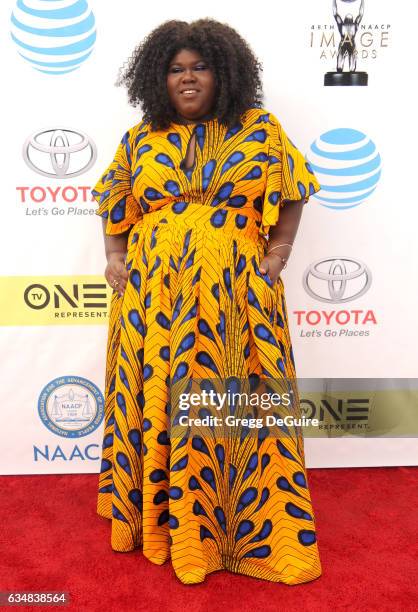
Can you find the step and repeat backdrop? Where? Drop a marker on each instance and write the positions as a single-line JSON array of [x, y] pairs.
[[339, 76]]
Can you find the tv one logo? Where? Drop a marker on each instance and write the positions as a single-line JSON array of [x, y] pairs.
[[342, 412], [76, 296]]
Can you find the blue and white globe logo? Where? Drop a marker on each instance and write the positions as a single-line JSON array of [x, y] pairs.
[[347, 166], [54, 36]]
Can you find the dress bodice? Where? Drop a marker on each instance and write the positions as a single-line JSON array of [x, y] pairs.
[[252, 167]]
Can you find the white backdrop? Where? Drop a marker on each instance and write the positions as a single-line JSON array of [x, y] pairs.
[[55, 345]]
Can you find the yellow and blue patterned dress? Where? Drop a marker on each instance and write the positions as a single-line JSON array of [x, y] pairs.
[[196, 307]]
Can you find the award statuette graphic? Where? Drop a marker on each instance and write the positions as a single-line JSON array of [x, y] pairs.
[[347, 51]]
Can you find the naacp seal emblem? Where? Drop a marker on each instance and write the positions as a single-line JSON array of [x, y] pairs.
[[71, 406]]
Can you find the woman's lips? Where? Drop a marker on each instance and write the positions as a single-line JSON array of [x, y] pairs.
[[189, 93]]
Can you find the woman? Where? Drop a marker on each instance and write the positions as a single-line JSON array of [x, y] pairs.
[[187, 204]]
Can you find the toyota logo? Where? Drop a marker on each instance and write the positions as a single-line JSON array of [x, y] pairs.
[[337, 279], [59, 153]]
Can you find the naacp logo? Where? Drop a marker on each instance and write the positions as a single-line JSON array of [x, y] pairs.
[[54, 37], [336, 280], [71, 406], [59, 153], [347, 165]]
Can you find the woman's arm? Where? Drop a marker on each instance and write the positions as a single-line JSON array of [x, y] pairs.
[[116, 243], [284, 232], [115, 250]]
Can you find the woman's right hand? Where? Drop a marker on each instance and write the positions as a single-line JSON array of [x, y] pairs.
[[116, 273]]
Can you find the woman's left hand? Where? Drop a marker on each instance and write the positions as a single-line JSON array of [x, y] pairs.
[[271, 265]]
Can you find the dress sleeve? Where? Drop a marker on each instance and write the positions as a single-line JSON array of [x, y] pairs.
[[113, 191], [289, 175]]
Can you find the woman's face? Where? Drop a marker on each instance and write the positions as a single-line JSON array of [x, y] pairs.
[[190, 86]]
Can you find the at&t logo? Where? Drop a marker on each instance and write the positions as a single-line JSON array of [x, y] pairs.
[[348, 167], [54, 37]]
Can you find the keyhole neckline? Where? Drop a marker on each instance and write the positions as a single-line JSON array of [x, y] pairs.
[[190, 168]]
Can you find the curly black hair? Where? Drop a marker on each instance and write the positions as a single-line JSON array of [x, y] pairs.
[[236, 70]]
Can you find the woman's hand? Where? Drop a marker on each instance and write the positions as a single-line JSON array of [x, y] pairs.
[[116, 273], [271, 265]]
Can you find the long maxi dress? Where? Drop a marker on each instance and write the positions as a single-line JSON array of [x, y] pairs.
[[197, 306]]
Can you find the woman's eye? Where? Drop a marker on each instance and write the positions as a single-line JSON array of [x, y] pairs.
[[177, 69]]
